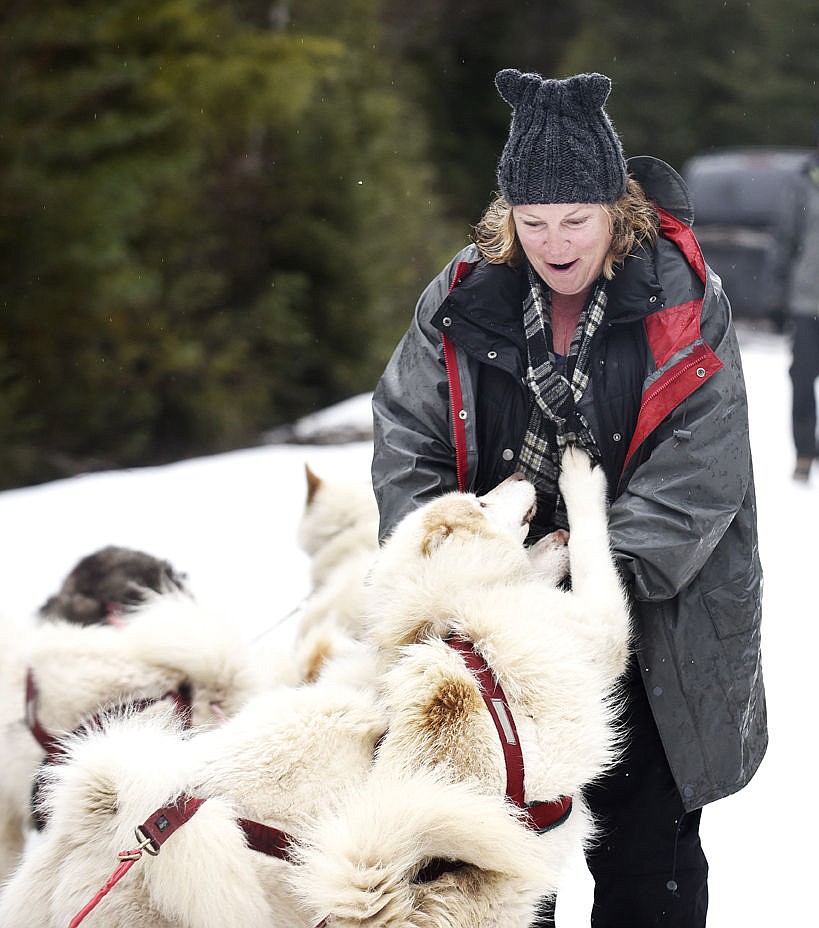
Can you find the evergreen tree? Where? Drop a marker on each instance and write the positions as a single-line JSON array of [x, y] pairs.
[[691, 77], [204, 229], [447, 54]]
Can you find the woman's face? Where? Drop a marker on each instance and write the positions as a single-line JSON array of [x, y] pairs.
[[566, 243]]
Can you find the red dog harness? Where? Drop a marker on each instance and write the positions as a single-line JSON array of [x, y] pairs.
[[50, 742], [539, 816], [163, 823]]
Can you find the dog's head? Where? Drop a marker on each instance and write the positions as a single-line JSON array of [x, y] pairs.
[[333, 508], [110, 580], [504, 512], [455, 542]]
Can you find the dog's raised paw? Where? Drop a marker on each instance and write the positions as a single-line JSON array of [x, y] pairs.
[[580, 475], [574, 456]]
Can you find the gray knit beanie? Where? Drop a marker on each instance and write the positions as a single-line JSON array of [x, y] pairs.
[[562, 148]]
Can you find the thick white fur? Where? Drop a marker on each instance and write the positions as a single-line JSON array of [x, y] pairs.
[[299, 758], [79, 669], [278, 761], [372, 849], [458, 565]]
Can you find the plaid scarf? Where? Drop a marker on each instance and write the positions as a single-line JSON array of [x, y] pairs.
[[554, 419]]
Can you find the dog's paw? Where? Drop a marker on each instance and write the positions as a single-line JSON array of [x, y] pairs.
[[549, 557], [574, 457], [580, 477]]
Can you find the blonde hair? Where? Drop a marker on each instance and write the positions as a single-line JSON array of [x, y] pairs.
[[632, 219]]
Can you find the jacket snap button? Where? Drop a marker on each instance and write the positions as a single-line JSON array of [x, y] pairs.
[[652, 299], [491, 355], [508, 454], [446, 321], [700, 372], [462, 414], [617, 436]]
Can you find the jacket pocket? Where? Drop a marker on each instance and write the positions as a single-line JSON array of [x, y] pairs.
[[734, 606]]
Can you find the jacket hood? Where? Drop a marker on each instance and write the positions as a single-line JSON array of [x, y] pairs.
[[662, 184]]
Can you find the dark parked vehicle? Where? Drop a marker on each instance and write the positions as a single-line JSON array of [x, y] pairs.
[[737, 194]]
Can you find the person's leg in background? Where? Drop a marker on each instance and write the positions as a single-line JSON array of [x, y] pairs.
[[804, 370]]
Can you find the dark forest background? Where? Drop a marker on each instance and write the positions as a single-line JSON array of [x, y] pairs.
[[216, 217]]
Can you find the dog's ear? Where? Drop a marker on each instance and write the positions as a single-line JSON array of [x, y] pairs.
[[313, 483], [434, 535], [452, 516]]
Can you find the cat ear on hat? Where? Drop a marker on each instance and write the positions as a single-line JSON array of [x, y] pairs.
[[511, 84], [591, 89]]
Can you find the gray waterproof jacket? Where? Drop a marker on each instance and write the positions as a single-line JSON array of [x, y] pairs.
[[671, 420]]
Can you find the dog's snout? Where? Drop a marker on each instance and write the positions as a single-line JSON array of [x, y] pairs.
[[516, 477]]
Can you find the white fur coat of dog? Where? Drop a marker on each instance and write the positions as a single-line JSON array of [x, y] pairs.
[[157, 647]]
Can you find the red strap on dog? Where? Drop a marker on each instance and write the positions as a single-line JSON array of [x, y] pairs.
[[539, 816], [163, 823], [157, 828], [265, 839], [50, 742]]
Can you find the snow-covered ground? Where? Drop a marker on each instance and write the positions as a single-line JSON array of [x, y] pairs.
[[229, 522]]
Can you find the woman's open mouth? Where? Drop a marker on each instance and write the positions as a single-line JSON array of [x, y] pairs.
[[563, 267]]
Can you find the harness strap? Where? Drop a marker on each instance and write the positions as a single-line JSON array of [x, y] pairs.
[[157, 828], [266, 840], [539, 816], [50, 742], [166, 821]]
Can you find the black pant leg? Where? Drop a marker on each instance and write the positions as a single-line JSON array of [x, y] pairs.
[[648, 865], [803, 371]]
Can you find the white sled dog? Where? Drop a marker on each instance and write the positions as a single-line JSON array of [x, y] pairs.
[[445, 830], [338, 531], [276, 764], [56, 674]]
